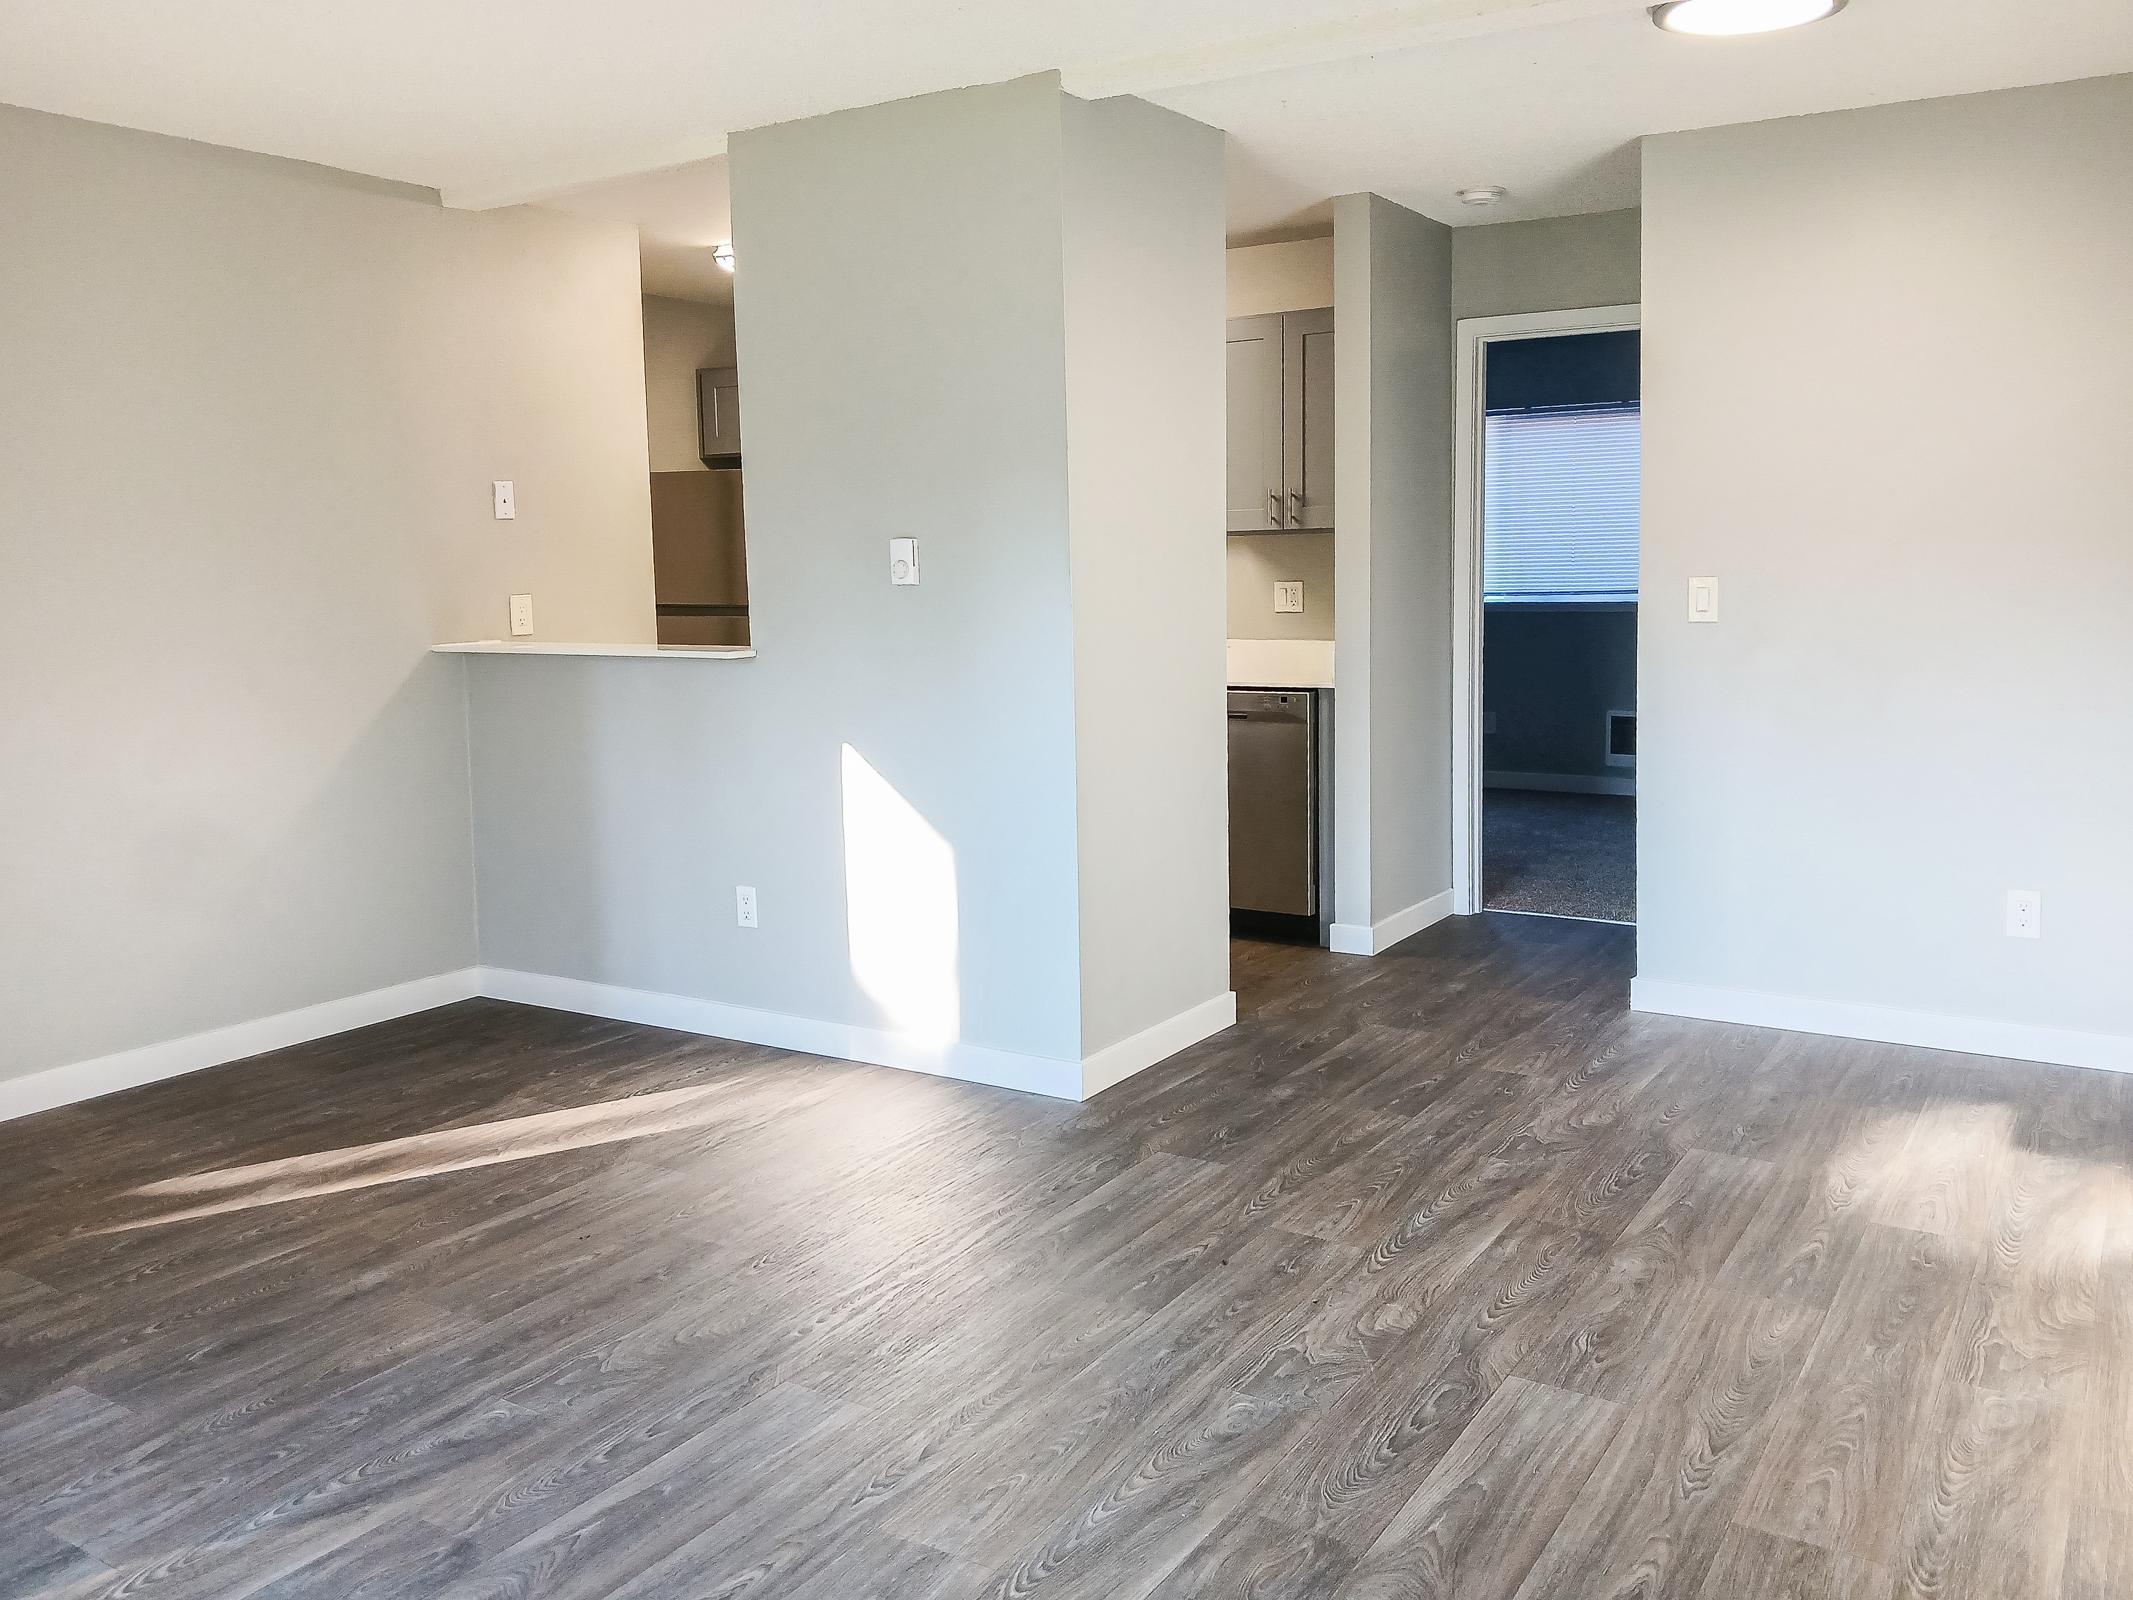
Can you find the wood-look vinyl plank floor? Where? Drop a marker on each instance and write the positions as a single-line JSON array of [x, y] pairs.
[[1442, 1274]]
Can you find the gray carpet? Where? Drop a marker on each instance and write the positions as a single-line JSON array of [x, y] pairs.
[[1568, 855]]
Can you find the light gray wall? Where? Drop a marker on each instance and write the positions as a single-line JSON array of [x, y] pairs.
[[1258, 561], [1145, 437], [1289, 275], [1553, 264], [1888, 372], [922, 391], [1393, 483], [249, 417]]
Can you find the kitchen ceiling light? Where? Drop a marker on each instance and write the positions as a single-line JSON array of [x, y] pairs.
[[723, 255], [1730, 18], [1482, 194]]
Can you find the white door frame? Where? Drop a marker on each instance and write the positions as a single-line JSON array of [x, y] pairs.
[[1476, 334]]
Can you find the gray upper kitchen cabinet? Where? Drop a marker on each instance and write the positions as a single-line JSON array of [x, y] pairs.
[[1255, 452], [1281, 422], [1307, 409], [718, 416]]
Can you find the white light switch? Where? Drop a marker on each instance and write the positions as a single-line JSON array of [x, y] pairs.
[[506, 499], [1703, 599], [2025, 914], [903, 561], [521, 615], [1289, 596]]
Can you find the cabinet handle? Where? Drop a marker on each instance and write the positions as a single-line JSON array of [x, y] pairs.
[[1296, 508], [1273, 505]]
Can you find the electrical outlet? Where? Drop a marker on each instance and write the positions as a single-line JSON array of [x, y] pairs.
[[521, 615], [2025, 914], [1289, 596], [505, 499], [744, 904]]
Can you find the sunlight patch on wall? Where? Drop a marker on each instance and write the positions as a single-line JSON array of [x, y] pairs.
[[900, 906]]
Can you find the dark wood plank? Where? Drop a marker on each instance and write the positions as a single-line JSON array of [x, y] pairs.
[[1441, 1273]]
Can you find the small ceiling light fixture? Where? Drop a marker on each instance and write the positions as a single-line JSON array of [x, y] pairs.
[[1722, 19], [1481, 194], [723, 255]]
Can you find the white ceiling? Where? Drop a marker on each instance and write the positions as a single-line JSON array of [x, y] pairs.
[[493, 101]]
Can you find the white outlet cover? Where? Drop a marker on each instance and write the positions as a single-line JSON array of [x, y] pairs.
[[521, 615], [504, 498], [744, 911], [2025, 914], [1289, 596]]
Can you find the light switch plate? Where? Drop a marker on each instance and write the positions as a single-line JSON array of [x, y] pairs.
[[505, 499], [1703, 599], [521, 615], [903, 561], [1289, 596]]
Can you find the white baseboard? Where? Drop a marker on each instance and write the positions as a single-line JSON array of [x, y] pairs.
[[1118, 1062], [1062, 1080], [1559, 782], [129, 1069], [1934, 1030], [1352, 939], [846, 1041], [969, 1063]]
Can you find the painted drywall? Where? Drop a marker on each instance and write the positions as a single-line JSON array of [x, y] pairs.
[[1293, 275], [896, 772], [1145, 470], [1888, 364], [1258, 561], [680, 337], [1553, 264], [1393, 559], [1550, 677], [250, 415]]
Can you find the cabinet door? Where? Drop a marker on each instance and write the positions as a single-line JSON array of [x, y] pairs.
[[1307, 405], [1255, 489], [718, 413]]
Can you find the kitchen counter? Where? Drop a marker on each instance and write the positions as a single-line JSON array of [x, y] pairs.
[[1281, 663], [543, 647]]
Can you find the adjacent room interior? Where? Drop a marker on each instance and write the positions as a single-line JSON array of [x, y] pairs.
[[1560, 484], [821, 806]]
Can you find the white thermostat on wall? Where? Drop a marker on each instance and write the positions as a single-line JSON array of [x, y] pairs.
[[903, 561]]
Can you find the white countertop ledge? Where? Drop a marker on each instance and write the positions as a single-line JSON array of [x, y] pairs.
[[544, 647], [1281, 663]]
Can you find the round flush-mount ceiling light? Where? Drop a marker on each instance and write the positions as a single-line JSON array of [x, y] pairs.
[[723, 255], [1481, 194], [1725, 19]]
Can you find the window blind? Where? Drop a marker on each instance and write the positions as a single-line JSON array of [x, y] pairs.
[[1559, 504]]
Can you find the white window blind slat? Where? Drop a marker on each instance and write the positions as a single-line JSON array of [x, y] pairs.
[[1559, 504]]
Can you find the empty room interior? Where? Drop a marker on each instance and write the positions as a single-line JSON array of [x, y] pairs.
[[1267, 801]]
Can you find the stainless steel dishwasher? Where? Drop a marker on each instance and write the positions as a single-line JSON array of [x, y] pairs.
[[1273, 812]]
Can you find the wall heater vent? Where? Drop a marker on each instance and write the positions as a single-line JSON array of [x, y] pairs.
[[1621, 738]]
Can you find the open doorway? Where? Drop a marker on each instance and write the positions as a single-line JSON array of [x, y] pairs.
[[1545, 659]]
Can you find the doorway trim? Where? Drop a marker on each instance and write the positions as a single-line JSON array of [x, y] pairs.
[[1476, 334]]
